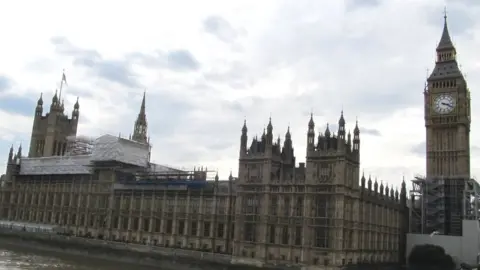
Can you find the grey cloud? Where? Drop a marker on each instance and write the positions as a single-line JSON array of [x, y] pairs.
[[419, 149], [5, 83], [354, 4], [237, 76], [179, 126], [118, 71], [220, 28], [177, 60], [79, 92], [182, 60], [460, 21], [42, 65], [321, 52], [370, 131], [168, 112]]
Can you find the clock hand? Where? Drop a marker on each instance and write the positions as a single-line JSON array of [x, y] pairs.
[[446, 104]]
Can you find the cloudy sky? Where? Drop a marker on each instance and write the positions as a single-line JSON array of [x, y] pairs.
[[209, 64]]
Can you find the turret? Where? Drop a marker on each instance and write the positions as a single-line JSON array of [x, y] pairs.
[[269, 132], [311, 135], [75, 117], [140, 128], [39, 108], [10, 155], [341, 133], [381, 189], [287, 149], [244, 139], [50, 131], [403, 194], [19, 152], [356, 141]]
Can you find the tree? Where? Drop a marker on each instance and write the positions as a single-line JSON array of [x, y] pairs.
[[426, 257]]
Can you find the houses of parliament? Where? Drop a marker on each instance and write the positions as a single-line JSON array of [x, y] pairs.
[[321, 213]]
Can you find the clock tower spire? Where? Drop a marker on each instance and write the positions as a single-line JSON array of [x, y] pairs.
[[447, 114]]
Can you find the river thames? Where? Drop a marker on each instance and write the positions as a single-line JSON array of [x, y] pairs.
[[21, 259]]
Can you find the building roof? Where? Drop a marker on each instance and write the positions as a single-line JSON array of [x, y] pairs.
[[105, 148], [113, 148]]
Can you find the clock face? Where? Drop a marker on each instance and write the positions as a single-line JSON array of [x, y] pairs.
[[444, 103]]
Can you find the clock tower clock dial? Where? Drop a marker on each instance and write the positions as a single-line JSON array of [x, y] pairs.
[[447, 115], [444, 104]]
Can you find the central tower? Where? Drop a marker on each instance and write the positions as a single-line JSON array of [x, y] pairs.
[[447, 115]]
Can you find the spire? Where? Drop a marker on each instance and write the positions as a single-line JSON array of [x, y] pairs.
[[55, 97], [10, 154], [270, 131], [446, 66], [244, 128], [270, 126], [244, 138], [140, 128], [445, 41], [341, 121], [327, 131], [19, 152], [311, 135], [142, 107], [311, 124], [356, 131], [40, 100], [76, 106]]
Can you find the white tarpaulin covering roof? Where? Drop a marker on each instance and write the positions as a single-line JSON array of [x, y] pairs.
[[55, 165], [105, 148], [111, 148]]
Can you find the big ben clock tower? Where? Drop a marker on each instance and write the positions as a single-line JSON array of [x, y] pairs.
[[447, 115]]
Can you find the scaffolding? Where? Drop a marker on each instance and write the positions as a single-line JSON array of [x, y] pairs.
[[440, 204], [85, 152], [79, 145]]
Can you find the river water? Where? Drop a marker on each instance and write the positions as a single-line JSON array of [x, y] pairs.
[[14, 258]]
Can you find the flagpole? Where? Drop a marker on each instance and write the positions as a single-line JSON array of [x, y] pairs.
[[61, 85]]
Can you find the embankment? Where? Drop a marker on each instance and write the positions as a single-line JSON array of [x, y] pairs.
[[167, 258]]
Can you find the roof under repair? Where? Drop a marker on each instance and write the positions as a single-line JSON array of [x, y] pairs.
[[104, 148]]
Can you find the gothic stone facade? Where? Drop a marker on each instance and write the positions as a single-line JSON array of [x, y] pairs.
[[275, 212], [89, 198], [91, 205], [50, 131], [317, 213]]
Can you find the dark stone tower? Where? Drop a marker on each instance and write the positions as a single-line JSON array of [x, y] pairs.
[[50, 131], [447, 114], [140, 128], [447, 122]]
